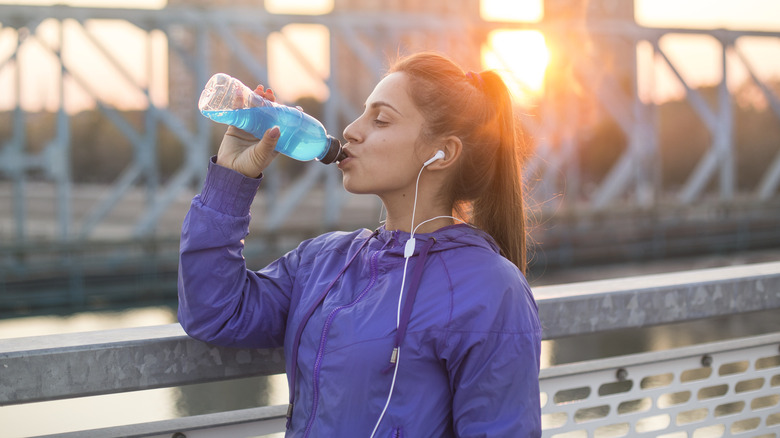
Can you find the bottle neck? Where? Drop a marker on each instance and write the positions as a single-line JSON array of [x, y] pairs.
[[333, 152]]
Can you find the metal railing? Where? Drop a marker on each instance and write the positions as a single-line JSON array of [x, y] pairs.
[[717, 389]]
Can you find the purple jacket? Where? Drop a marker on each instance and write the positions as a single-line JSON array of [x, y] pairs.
[[469, 334]]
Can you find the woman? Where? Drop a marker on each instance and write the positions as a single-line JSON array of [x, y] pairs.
[[425, 327]]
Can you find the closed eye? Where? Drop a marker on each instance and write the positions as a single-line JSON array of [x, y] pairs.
[[380, 123]]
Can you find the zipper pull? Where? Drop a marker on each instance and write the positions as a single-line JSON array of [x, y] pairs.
[[394, 356], [393, 360]]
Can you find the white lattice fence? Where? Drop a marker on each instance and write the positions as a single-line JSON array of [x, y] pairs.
[[723, 389]]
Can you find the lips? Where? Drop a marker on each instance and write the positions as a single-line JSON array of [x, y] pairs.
[[347, 157]]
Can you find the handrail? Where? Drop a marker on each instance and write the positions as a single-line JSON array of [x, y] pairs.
[[625, 375], [648, 300], [55, 367], [84, 364]]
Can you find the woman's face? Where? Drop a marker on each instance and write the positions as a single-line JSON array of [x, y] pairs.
[[381, 143]]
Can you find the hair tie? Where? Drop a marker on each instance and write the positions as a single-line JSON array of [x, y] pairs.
[[475, 79]]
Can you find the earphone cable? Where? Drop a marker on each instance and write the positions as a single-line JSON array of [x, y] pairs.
[[407, 254], [398, 311]]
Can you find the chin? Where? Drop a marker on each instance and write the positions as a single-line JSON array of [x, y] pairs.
[[359, 185], [355, 189], [347, 186]]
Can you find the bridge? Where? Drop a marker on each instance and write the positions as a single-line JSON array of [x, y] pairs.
[[607, 179], [106, 236]]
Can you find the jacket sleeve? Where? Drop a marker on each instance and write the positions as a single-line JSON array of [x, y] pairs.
[[220, 300], [493, 366]]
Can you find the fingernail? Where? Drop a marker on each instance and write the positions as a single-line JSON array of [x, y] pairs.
[[274, 132]]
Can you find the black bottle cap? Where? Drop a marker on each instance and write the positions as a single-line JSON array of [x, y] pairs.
[[334, 153]]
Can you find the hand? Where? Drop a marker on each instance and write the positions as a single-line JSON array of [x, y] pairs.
[[243, 152]]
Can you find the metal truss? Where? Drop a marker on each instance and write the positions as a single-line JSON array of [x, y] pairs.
[[196, 36]]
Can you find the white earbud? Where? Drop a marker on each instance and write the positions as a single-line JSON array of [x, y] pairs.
[[438, 156]]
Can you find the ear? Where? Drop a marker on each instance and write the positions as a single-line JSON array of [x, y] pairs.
[[452, 147]]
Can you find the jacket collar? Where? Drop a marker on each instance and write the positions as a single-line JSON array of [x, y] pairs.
[[449, 237]]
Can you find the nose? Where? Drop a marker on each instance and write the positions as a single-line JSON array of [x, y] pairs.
[[351, 132]]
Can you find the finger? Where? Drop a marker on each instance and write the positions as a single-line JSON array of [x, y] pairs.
[[269, 94], [264, 149], [260, 89], [272, 134]]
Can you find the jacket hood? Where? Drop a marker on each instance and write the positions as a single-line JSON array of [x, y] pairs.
[[449, 237]]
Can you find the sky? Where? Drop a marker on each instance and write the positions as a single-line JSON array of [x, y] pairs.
[[523, 53], [734, 14], [138, 4], [698, 57], [744, 14]]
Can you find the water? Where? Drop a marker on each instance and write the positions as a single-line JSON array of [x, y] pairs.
[[302, 137]]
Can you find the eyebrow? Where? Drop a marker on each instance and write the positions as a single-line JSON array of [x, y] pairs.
[[381, 103]]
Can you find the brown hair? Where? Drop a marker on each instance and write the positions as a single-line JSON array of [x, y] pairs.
[[486, 187]]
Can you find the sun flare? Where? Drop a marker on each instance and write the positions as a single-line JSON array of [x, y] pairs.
[[521, 56]]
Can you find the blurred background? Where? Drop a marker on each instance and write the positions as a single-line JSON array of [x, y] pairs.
[[652, 130]]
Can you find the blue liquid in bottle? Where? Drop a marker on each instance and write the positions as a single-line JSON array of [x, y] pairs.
[[302, 137]]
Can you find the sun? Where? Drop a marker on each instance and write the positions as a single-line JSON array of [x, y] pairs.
[[521, 57]]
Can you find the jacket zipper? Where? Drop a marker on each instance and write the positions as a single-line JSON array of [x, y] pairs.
[[324, 339], [307, 315]]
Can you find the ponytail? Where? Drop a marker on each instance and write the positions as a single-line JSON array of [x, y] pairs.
[[500, 209], [486, 187]]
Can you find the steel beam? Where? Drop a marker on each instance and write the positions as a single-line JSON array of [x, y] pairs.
[[555, 168]]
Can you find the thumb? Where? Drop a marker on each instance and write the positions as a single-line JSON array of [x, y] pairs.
[[270, 137], [263, 152]]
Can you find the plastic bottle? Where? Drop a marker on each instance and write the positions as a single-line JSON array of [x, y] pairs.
[[226, 100]]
